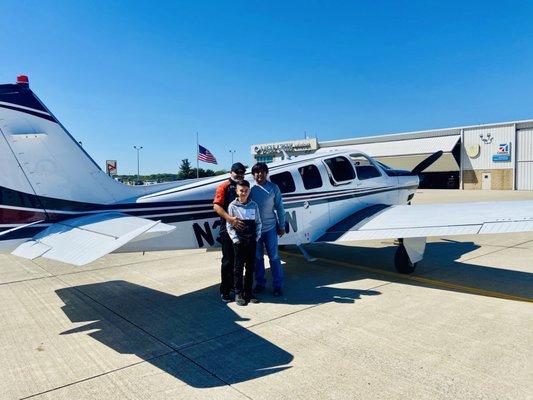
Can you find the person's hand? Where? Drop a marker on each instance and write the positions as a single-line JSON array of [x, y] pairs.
[[281, 232], [236, 223]]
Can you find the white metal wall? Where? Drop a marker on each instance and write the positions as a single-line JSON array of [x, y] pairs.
[[524, 160], [500, 134]]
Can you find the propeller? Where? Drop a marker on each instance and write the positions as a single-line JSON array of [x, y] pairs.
[[426, 163]]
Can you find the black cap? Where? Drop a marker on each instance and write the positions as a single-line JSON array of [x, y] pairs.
[[238, 167]]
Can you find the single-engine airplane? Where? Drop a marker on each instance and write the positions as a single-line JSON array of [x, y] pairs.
[[55, 202]]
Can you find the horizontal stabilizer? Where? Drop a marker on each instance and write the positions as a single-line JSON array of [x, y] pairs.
[[80, 241]]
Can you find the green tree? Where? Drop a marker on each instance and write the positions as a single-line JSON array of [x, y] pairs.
[[186, 172]]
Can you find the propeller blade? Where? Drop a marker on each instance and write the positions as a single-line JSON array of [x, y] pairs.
[[426, 163]]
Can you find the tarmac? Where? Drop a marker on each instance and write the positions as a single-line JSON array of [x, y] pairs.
[[152, 326]]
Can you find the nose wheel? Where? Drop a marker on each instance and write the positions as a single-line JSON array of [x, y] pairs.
[[402, 262]]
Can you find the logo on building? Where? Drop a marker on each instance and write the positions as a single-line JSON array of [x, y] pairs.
[[503, 153], [292, 146]]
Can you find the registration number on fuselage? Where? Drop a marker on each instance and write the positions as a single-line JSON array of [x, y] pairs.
[[207, 232]]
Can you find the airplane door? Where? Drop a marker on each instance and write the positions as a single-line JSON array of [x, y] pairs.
[[314, 212]]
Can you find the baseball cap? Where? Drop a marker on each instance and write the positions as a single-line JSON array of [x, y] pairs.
[[238, 167]]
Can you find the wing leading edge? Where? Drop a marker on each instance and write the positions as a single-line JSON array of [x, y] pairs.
[[423, 220], [81, 240]]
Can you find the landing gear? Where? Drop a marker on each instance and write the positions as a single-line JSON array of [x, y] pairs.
[[401, 260], [409, 252]]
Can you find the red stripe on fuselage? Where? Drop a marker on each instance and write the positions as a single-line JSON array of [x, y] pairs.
[[12, 217]]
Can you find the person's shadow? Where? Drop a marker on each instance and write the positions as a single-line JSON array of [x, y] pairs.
[[133, 319]]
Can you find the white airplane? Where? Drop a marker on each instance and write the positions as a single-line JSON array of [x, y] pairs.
[[55, 202]]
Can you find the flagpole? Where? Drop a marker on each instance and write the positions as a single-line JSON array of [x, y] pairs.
[[197, 159]]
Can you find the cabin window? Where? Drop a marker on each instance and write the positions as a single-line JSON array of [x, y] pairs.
[[341, 169], [284, 181], [364, 168], [310, 176]]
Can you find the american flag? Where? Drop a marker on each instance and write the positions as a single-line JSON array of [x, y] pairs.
[[205, 155]]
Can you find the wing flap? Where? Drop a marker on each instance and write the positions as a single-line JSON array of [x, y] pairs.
[[80, 241]]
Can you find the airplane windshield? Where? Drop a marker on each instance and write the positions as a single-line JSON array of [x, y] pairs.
[[364, 168], [384, 166]]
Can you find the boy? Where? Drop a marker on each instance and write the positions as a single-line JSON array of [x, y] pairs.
[[244, 242]]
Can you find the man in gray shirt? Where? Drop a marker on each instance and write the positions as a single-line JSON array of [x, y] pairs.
[[268, 198]]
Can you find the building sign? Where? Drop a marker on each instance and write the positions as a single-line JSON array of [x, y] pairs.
[[111, 167], [503, 153], [303, 145]]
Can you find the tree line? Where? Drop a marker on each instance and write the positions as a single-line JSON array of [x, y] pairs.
[[186, 171]]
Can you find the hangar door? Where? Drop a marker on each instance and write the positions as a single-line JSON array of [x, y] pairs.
[[524, 160]]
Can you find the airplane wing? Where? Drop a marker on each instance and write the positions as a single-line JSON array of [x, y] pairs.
[[423, 220], [81, 240]]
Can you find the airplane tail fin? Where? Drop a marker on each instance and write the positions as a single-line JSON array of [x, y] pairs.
[[42, 166]]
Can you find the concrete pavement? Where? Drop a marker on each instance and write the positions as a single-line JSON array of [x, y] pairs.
[[152, 327]]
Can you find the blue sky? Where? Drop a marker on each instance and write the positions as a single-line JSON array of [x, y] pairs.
[[119, 74]]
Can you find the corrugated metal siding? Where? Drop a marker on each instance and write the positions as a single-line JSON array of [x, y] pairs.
[[528, 123], [525, 145], [444, 164], [406, 147], [500, 134], [524, 167], [391, 137], [524, 175]]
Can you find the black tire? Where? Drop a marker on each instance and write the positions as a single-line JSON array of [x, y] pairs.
[[401, 261]]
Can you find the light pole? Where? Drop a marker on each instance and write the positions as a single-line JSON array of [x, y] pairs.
[[232, 153], [138, 148]]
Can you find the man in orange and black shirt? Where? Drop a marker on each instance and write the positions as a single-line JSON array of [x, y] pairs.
[[225, 194]]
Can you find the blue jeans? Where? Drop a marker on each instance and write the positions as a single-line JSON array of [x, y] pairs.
[[268, 240]]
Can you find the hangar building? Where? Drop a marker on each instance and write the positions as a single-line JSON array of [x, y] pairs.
[[492, 156]]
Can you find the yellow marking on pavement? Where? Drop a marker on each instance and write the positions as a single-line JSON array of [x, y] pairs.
[[421, 279]]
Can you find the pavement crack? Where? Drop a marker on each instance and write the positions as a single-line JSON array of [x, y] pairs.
[[96, 376], [173, 349], [496, 251]]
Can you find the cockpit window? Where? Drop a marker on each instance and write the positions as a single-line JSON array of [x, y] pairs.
[[364, 168], [310, 176], [340, 168], [384, 166], [284, 181]]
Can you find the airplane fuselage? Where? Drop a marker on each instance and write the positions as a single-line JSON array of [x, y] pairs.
[[189, 207]]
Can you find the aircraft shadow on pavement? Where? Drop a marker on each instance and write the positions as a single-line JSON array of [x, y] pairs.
[[439, 263], [133, 319]]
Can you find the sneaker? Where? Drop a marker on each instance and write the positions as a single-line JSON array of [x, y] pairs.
[[278, 292], [258, 289], [239, 300], [226, 298], [253, 299]]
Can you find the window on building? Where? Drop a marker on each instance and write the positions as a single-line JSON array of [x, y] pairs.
[[310, 176], [341, 169], [364, 168], [284, 181], [265, 159]]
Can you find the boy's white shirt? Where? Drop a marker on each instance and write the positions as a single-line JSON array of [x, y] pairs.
[[245, 213]]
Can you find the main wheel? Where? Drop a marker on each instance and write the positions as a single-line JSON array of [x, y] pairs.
[[402, 262]]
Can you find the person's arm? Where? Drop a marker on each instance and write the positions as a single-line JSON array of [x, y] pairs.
[[280, 211], [231, 230], [258, 223], [218, 204]]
